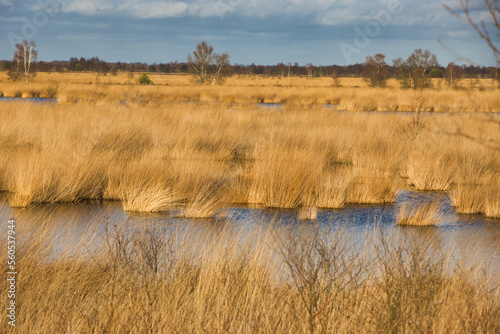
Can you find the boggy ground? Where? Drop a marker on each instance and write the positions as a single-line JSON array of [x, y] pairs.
[[351, 94], [152, 153], [279, 280], [202, 157]]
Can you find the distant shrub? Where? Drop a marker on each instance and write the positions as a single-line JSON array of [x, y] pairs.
[[145, 79]]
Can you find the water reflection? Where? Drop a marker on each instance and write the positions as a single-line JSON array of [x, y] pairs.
[[73, 227]]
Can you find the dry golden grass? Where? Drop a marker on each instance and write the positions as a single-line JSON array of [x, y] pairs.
[[467, 198], [154, 280], [207, 200], [152, 154], [278, 159], [419, 214], [475, 183], [332, 190], [370, 191], [428, 171], [352, 95], [147, 198]]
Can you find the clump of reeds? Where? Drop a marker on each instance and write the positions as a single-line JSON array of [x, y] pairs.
[[492, 206], [371, 191], [208, 198], [332, 191], [147, 198], [428, 171], [491, 195], [285, 179], [468, 198], [32, 180], [419, 214]]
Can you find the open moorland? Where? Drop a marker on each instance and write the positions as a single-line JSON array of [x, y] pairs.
[[349, 94], [290, 143], [181, 144]]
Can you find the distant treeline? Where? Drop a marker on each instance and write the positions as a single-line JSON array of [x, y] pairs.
[[97, 65]]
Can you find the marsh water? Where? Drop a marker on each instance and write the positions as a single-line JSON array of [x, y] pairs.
[[28, 99], [263, 105], [81, 224]]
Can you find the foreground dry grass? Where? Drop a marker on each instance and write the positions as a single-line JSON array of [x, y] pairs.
[[204, 157], [154, 280], [353, 94]]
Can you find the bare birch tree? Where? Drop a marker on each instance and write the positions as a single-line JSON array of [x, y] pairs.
[[30, 54], [201, 60], [221, 65], [453, 74], [206, 65], [310, 69], [25, 55]]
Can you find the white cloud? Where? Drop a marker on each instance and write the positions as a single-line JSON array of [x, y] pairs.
[[138, 8], [5, 3], [202, 8], [153, 9], [88, 7], [322, 12]]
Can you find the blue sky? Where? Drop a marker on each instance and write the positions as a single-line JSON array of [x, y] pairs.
[[322, 32]]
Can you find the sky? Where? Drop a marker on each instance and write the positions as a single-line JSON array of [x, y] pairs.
[[266, 32]]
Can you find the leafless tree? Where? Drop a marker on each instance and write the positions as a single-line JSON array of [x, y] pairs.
[[15, 68], [493, 7], [413, 72], [420, 63], [453, 74], [201, 60], [402, 72], [206, 65], [221, 65], [335, 77], [375, 71], [29, 54], [310, 69], [25, 55]]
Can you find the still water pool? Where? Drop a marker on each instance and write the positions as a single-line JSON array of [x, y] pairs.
[[77, 225]]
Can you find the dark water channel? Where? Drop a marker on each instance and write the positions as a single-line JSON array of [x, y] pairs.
[[263, 105], [28, 99], [76, 225]]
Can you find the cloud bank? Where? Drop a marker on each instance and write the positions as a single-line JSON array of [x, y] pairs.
[[325, 12], [5, 3]]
